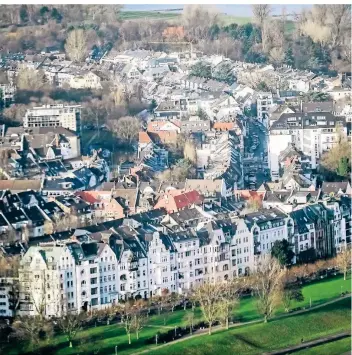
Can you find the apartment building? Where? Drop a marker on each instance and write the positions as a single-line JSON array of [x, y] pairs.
[[162, 257], [312, 133], [265, 227], [7, 91], [47, 278], [219, 157], [6, 299], [134, 259], [67, 116], [264, 104]]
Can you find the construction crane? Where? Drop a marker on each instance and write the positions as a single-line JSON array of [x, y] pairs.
[[174, 42]]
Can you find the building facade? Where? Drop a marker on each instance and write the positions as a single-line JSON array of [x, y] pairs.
[[54, 116]]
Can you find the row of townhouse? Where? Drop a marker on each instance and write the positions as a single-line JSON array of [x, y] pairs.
[[144, 254], [28, 215]]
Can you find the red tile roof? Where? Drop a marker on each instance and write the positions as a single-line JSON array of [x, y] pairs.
[[224, 126], [143, 137], [188, 198]]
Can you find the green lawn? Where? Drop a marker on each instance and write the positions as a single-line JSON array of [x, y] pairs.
[[107, 337], [319, 292], [338, 347], [164, 15], [259, 338], [226, 19]]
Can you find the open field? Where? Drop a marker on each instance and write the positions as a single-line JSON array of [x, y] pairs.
[[176, 16], [158, 15], [261, 338], [106, 338]]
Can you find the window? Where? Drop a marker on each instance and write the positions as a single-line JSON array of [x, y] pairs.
[[93, 270]]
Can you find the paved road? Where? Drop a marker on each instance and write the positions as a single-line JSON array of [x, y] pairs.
[[310, 344], [256, 128]]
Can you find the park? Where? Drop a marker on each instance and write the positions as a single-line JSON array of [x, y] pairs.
[[324, 310]]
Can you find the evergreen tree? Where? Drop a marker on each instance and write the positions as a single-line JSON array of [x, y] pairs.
[[214, 31], [282, 252], [55, 14], [153, 106], [201, 69], [289, 59], [342, 168], [23, 13]]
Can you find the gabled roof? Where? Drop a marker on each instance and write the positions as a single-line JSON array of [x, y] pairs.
[[334, 187], [143, 137], [187, 199]]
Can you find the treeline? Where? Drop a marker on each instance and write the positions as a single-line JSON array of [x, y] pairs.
[[318, 39]]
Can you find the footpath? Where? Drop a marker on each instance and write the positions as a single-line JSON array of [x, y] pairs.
[[310, 344]]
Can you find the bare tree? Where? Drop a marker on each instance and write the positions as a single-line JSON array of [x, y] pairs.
[[277, 55], [289, 294], [273, 34], [261, 15], [139, 319], [189, 152], [70, 325], [9, 266], [227, 302], [76, 45], [119, 96], [31, 79], [32, 329], [174, 300], [343, 260], [208, 295], [318, 33], [189, 318], [197, 20], [267, 284], [339, 19], [128, 320], [126, 128]]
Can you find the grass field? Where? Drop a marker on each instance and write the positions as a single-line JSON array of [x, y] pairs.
[[338, 347], [175, 16], [159, 15], [259, 338], [106, 338]]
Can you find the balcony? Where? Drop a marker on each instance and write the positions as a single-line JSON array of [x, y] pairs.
[[133, 267]]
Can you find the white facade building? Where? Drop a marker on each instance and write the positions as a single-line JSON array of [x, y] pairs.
[[264, 104], [312, 133], [47, 279], [6, 301], [54, 116]]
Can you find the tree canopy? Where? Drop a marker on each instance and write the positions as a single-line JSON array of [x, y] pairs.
[[282, 251]]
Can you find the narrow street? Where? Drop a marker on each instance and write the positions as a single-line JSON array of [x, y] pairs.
[[255, 166]]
